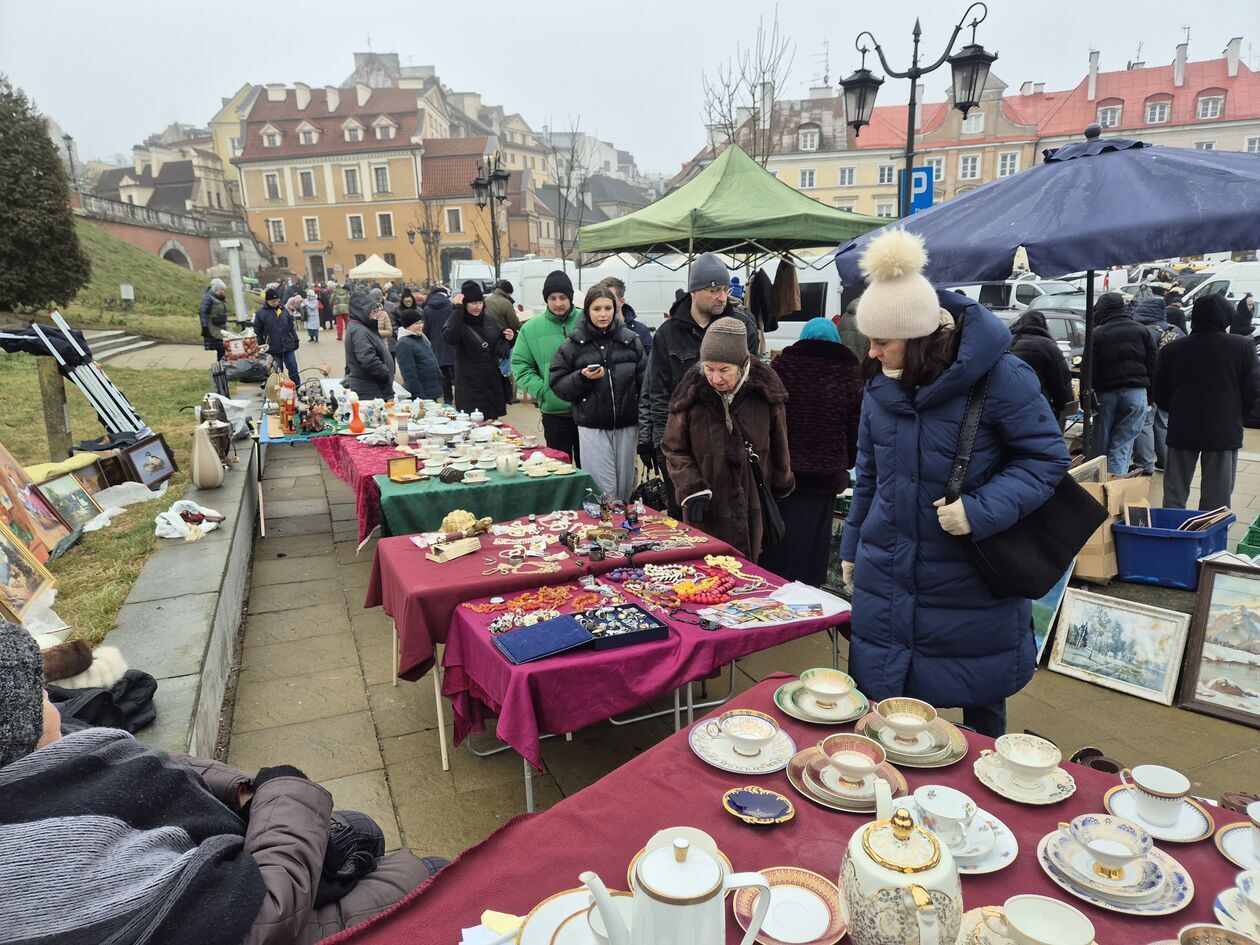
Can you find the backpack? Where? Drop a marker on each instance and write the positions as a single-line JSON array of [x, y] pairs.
[[1165, 333]]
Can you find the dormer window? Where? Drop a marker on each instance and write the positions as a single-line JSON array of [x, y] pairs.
[[353, 131], [1210, 106], [271, 139], [1109, 116], [384, 128], [807, 138], [1156, 112], [307, 134]]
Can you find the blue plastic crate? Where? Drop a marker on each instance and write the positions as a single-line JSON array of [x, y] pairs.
[[1164, 556]]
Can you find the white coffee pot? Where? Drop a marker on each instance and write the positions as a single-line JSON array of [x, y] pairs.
[[679, 898]]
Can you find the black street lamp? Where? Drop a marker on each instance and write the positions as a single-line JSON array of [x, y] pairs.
[[490, 187], [970, 68], [74, 177], [430, 236]]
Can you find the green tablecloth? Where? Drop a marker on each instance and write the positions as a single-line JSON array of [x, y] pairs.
[[410, 507]]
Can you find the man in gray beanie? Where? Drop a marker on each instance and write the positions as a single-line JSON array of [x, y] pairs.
[[676, 347], [26, 717], [213, 315]]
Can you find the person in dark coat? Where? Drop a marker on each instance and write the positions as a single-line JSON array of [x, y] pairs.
[[1241, 323], [369, 365], [275, 328], [416, 361], [502, 307], [599, 370], [1032, 344], [480, 343], [1207, 382], [676, 347], [1149, 448], [213, 316], [726, 399], [627, 313], [1174, 311], [925, 623], [437, 309], [823, 380], [1123, 366], [850, 335]]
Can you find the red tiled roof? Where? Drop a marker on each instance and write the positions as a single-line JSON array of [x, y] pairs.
[[888, 125], [448, 176], [450, 147], [399, 105]]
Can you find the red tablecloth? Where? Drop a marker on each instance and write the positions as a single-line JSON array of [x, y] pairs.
[[601, 827], [421, 596], [569, 691], [355, 464]]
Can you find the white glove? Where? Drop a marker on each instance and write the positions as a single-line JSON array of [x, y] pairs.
[[953, 517], [846, 571]]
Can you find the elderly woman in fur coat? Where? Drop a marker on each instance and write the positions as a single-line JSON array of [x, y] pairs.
[[721, 402]]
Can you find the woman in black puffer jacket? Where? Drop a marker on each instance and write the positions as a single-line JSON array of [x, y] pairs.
[[599, 370]]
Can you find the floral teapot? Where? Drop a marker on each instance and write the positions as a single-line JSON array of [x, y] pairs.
[[899, 885]]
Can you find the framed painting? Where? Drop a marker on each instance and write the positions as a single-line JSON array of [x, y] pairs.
[[1094, 470], [151, 461], [1045, 610], [1222, 666], [22, 578], [92, 478], [25, 512], [1120, 644], [65, 494]]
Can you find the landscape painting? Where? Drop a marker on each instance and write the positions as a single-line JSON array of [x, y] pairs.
[[1120, 644], [1222, 671], [1046, 609]]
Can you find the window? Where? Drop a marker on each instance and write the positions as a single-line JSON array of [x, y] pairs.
[[390, 258], [352, 180], [885, 208], [271, 140], [1025, 294], [275, 230], [845, 176], [1211, 106], [272, 183], [1253, 146], [807, 139], [1109, 116], [938, 170], [1008, 163], [359, 259], [308, 137], [384, 133], [354, 225], [453, 222], [844, 203], [380, 179], [807, 178], [354, 134], [973, 124], [531, 164], [885, 174], [1156, 112], [306, 183], [385, 225], [969, 167], [312, 229], [1205, 145], [235, 145]]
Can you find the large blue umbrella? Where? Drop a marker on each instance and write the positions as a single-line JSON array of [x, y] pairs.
[[1090, 205]]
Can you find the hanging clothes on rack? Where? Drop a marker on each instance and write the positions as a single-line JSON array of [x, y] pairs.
[[787, 291], [759, 297]]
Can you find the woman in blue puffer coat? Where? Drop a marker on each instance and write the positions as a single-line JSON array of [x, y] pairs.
[[925, 624]]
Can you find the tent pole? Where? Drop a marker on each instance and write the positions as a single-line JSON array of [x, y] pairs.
[[1087, 367]]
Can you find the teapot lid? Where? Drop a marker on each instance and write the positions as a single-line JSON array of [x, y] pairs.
[[679, 874], [901, 846]]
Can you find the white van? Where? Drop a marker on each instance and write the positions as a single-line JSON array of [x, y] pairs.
[[1232, 280], [527, 276]]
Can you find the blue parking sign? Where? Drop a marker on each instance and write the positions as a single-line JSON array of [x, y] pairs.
[[921, 188]]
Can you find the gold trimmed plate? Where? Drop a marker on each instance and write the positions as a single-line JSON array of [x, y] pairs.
[[1193, 824], [1234, 842], [576, 929], [804, 908], [544, 920], [799, 779], [741, 808], [1056, 787], [792, 699], [942, 730], [818, 773]]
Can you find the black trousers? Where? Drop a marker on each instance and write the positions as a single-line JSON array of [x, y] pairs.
[[561, 433], [448, 383], [987, 719]]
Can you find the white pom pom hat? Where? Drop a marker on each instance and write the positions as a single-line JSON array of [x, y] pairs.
[[898, 302]]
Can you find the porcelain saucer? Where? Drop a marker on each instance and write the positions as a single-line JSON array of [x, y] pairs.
[[804, 908], [1140, 880], [826, 781], [1176, 895], [1234, 842], [971, 919], [720, 753], [798, 778], [576, 929], [1059, 786], [1001, 855], [933, 740], [792, 698], [754, 805], [943, 731], [545, 919], [1232, 913], [1193, 824]]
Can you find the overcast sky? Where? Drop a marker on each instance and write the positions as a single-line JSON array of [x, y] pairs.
[[112, 74]]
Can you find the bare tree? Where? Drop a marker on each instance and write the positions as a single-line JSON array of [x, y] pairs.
[[570, 158], [739, 94]]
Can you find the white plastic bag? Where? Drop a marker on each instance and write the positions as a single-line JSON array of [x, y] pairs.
[[170, 525]]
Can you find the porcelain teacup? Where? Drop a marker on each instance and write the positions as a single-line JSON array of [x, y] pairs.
[[1158, 792], [748, 731], [1248, 883], [1253, 814], [1040, 920], [1028, 759], [1112, 842], [946, 812], [826, 686], [907, 717], [855, 756]]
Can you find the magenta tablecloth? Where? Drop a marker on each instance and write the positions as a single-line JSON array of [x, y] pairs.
[[355, 464], [569, 691], [601, 828]]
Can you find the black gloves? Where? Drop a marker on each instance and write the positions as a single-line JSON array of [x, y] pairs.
[[648, 455], [697, 509], [205, 332], [279, 771]]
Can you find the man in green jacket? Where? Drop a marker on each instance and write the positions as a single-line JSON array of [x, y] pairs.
[[536, 345], [341, 308]]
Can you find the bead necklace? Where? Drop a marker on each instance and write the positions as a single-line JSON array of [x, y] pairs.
[[520, 567], [559, 521]]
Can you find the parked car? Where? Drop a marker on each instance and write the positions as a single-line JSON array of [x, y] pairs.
[[1013, 294], [1066, 325], [1232, 280]]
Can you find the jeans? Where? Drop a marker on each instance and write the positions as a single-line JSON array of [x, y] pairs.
[[1148, 449], [987, 719], [1121, 416], [312, 334], [289, 361]]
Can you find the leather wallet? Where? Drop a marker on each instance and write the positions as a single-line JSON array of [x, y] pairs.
[[526, 644]]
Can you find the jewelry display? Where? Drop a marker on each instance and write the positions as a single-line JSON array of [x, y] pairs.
[[606, 622], [523, 567], [544, 597]]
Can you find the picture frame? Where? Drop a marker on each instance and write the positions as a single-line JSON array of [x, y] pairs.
[[1221, 670], [403, 469], [1120, 644], [150, 461], [74, 505], [22, 577], [1045, 612], [115, 469], [1138, 514], [92, 478], [25, 512], [1093, 470]]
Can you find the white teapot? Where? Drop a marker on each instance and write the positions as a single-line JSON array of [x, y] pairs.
[[900, 885], [507, 465], [679, 898]]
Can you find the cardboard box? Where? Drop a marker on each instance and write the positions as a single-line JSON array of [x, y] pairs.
[[1097, 562]]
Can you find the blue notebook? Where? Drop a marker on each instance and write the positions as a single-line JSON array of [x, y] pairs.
[[526, 644]]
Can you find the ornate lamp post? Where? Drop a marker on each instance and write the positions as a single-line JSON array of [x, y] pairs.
[[430, 237], [970, 67], [74, 177], [490, 187]]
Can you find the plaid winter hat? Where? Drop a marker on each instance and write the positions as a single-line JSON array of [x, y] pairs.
[[21, 693]]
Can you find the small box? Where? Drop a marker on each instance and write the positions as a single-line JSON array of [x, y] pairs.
[[403, 469], [1097, 561], [656, 630]]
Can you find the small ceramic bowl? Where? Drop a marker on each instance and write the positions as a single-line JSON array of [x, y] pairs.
[[906, 717], [826, 686], [754, 805], [1113, 842], [855, 756]]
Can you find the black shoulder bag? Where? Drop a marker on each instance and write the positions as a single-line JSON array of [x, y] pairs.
[[1030, 557], [773, 530]]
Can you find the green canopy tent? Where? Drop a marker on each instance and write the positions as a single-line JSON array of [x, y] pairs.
[[734, 206]]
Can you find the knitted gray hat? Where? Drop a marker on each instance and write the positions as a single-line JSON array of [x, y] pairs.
[[706, 271], [21, 693], [726, 340]]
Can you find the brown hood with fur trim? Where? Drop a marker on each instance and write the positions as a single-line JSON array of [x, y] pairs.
[[706, 460]]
